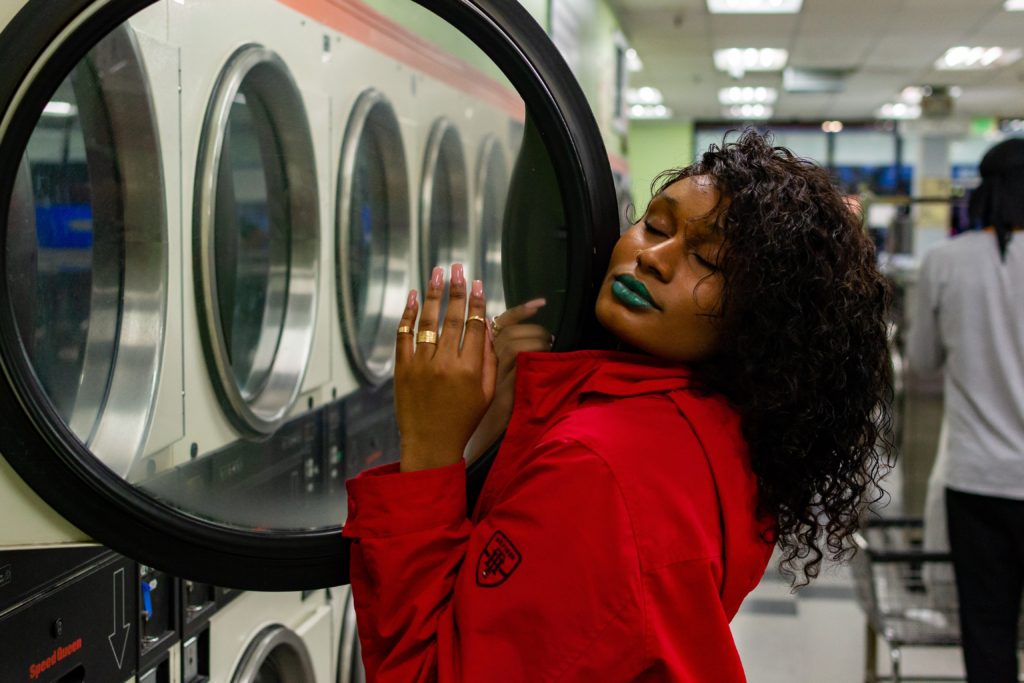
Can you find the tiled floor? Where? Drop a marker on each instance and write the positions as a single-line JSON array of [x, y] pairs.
[[817, 635]]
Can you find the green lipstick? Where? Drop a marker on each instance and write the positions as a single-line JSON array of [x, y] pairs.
[[631, 292]]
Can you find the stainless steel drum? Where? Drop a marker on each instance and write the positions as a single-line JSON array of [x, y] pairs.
[[374, 237], [86, 263], [257, 239]]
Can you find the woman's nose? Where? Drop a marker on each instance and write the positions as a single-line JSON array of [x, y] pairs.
[[657, 260]]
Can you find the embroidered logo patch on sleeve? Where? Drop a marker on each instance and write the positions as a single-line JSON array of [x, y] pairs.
[[497, 561]]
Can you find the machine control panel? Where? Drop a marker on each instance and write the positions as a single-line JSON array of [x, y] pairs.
[[80, 627]]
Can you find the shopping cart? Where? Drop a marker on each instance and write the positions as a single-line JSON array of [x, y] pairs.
[[908, 595]]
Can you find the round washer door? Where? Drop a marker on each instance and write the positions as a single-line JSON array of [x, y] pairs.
[[208, 229], [256, 239], [85, 256], [444, 199], [374, 235], [275, 655], [489, 214]]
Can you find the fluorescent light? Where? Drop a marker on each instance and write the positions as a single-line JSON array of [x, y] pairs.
[[737, 61], [1014, 5], [754, 6], [963, 58], [644, 95], [803, 80], [912, 94], [58, 108], [649, 111], [899, 110], [748, 111], [633, 62], [747, 95]]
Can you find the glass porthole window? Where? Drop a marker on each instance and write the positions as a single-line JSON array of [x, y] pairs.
[[489, 208], [256, 239], [85, 258], [173, 384], [374, 234], [444, 200], [276, 655]]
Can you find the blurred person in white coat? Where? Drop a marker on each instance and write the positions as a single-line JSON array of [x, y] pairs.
[[969, 321]]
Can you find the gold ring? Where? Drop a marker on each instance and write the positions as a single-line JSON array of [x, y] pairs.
[[495, 327], [477, 318], [427, 337], [404, 329]]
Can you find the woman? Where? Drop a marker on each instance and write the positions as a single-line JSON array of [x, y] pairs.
[[638, 493], [968, 322]]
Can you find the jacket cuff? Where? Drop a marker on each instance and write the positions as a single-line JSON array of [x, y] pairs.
[[384, 502]]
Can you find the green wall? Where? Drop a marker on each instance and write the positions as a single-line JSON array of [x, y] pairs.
[[653, 147], [539, 10]]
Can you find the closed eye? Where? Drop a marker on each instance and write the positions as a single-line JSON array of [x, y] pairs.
[[705, 263], [653, 230]]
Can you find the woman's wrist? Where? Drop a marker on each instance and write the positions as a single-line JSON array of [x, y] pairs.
[[416, 456]]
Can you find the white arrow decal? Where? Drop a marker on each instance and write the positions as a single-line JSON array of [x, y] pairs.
[[121, 625]]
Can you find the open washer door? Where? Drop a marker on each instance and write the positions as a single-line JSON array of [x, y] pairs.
[[114, 266]]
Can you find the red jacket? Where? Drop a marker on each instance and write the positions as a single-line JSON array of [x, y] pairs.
[[613, 541]]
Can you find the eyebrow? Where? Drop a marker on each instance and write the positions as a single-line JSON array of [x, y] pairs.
[[714, 227]]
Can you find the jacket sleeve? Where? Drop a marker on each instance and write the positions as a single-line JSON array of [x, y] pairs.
[[925, 353], [546, 586]]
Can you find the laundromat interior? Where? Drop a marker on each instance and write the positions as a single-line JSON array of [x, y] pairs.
[[212, 212]]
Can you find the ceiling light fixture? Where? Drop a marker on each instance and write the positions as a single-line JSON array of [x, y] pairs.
[[754, 6], [747, 95], [644, 95], [1014, 5], [649, 111], [58, 108], [963, 58], [737, 61], [748, 111], [832, 126], [899, 110], [633, 61], [912, 94]]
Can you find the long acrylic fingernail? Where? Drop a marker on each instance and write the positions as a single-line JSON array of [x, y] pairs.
[[437, 277], [478, 290], [411, 301], [458, 274], [535, 303]]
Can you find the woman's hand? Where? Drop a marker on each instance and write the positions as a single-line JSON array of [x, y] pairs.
[[442, 387], [512, 338]]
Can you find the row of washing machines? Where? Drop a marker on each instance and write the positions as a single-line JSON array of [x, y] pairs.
[[86, 614], [214, 225]]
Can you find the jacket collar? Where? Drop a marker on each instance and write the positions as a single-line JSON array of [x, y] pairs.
[[546, 382]]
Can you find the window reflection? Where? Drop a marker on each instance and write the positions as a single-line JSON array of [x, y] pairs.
[[492, 192], [445, 207], [251, 242], [368, 235], [68, 164]]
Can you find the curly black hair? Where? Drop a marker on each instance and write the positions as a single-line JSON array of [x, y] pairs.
[[803, 352]]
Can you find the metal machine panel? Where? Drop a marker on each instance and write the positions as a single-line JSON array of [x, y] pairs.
[[80, 627]]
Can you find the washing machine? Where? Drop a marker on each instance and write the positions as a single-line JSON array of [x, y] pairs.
[[211, 212]]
